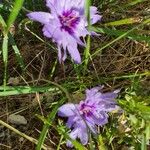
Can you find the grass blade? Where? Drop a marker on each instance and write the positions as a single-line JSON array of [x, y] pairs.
[[17, 52], [14, 13], [134, 2], [143, 143], [117, 33], [25, 90], [51, 116], [46, 126], [76, 144], [5, 58], [124, 21], [120, 37], [2, 24]]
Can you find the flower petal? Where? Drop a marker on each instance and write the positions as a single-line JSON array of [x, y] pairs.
[[52, 30], [71, 121], [100, 118], [67, 110], [41, 17], [73, 51], [110, 96], [73, 135], [83, 135], [59, 54], [94, 16]]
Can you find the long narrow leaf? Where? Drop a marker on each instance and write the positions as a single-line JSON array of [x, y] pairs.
[[5, 57], [117, 33], [124, 21], [2, 24], [134, 2], [25, 90], [46, 126], [51, 116], [17, 52], [76, 144], [14, 13], [120, 37]]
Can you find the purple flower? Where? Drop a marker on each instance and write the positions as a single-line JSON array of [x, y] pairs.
[[66, 24], [88, 114]]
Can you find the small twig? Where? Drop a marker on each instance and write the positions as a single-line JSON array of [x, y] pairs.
[[31, 139], [5, 145]]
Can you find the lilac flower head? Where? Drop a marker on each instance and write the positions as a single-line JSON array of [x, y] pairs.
[[66, 24], [88, 114]]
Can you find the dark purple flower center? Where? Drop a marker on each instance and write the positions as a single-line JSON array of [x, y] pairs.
[[86, 110], [69, 20]]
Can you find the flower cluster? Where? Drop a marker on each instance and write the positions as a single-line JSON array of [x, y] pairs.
[[88, 114], [66, 25]]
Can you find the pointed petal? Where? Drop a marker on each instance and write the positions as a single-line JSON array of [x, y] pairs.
[[93, 95], [73, 135], [73, 51], [65, 55], [95, 17], [83, 135], [41, 17], [83, 132], [90, 124], [59, 54], [100, 118], [110, 96], [78, 40], [67, 110]]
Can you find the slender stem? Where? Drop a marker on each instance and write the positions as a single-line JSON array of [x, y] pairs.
[[88, 45]]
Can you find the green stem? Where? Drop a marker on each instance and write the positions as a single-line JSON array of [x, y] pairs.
[[88, 45]]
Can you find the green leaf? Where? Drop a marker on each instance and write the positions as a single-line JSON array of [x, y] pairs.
[[46, 126], [5, 57], [143, 143], [76, 144], [147, 132], [17, 52], [143, 108], [101, 144], [14, 13], [134, 2], [118, 33], [16, 90], [2, 24], [124, 21]]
